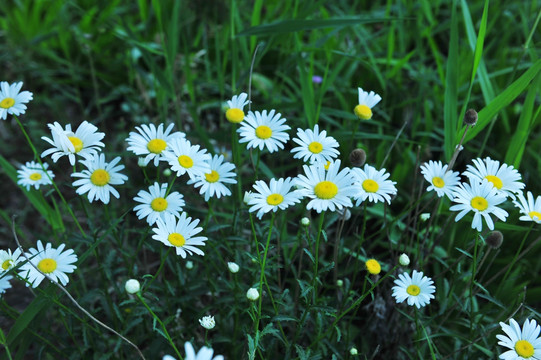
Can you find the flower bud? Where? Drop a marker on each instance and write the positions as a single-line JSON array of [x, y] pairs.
[[189, 265], [353, 351], [207, 322], [233, 267], [132, 286], [404, 260], [141, 162], [305, 221], [424, 216], [252, 294], [339, 283], [373, 266], [166, 172], [247, 197]]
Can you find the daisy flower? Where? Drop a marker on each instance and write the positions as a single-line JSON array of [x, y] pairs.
[[98, 178], [373, 185], [276, 195], [481, 198], [417, 289], [9, 260], [235, 113], [505, 178], [84, 141], [204, 353], [4, 283], [442, 181], [315, 146], [328, 189], [183, 157], [531, 208], [151, 142], [11, 100], [180, 234], [32, 174], [261, 130], [524, 343], [366, 102], [213, 182], [155, 204], [52, 262]]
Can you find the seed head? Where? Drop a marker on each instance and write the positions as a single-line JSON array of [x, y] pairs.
[[470, 118], [494, 239], [357, 157]]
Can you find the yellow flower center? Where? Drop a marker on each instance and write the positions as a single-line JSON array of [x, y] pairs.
[[275, 199], [370, 186], [438, 182], [263, 132], [326, 190], [35, 176], [185, 161], [373, 266], [76, 142], [7, 103], [47, 266], [158, 204], [479, 203], [156, 146], [534, 214], [524, 348], [212, 177], [413, 290], [234, 115], [176, 239], [495, 181], [7, 264], [363, 112], [99, 177], [327, 164], [315, 147]]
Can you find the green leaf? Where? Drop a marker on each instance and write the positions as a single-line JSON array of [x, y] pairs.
[[23, 321], [450, 115]]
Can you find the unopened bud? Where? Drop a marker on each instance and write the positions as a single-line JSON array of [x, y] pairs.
[[353, 351], [252, 294], [132, 286], [357, 157], [470, 118], [233, 267], [404, 260], [167, 172], [494, 239]]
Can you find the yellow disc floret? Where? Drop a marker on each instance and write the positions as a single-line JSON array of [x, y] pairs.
[[495, 181], [99, 177], [524, 348], [326, 190], [6, 103], [363, 112], [275, 199], [212, 177], [76, 142], [263, 132], [535, 214], [479, 203], [47, 265], [370, 186], [413, 290], [185, 161], [315, 147], [234, 115], [35, 176], [7, 264], [373, 266], [158, 204], [156, 146], [438, 182], [176, 239]]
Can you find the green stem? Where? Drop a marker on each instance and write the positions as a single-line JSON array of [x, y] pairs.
[[316, 263], [160, 268], [263, 264], [517, 253]]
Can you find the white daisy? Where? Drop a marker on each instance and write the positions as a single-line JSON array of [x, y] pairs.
[[264, 130], [183, 157], [505, 178], [366, 102], [276, 195], [328, 189], [315, 146], [9, 260], [417, 289], [481, 198], [442, 181], [11, 100], [213, 182], [155, 204], [525, 343], [373, 185], [151, 142], [32, 174], [84, 141], [531, 208], [235, 113], [180, 234], [4, 282], [98, 178], [204, 353], [53, 262]]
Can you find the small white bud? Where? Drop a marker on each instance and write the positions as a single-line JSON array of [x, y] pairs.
[[353, 351], [132, 286], [252, 294], [207, 322], [424, 216], [168, 357], [404, 260], [189, 265], [233, 267], [141, 162], [166, 172], [305, 221], [339, 283], [247, 197]]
